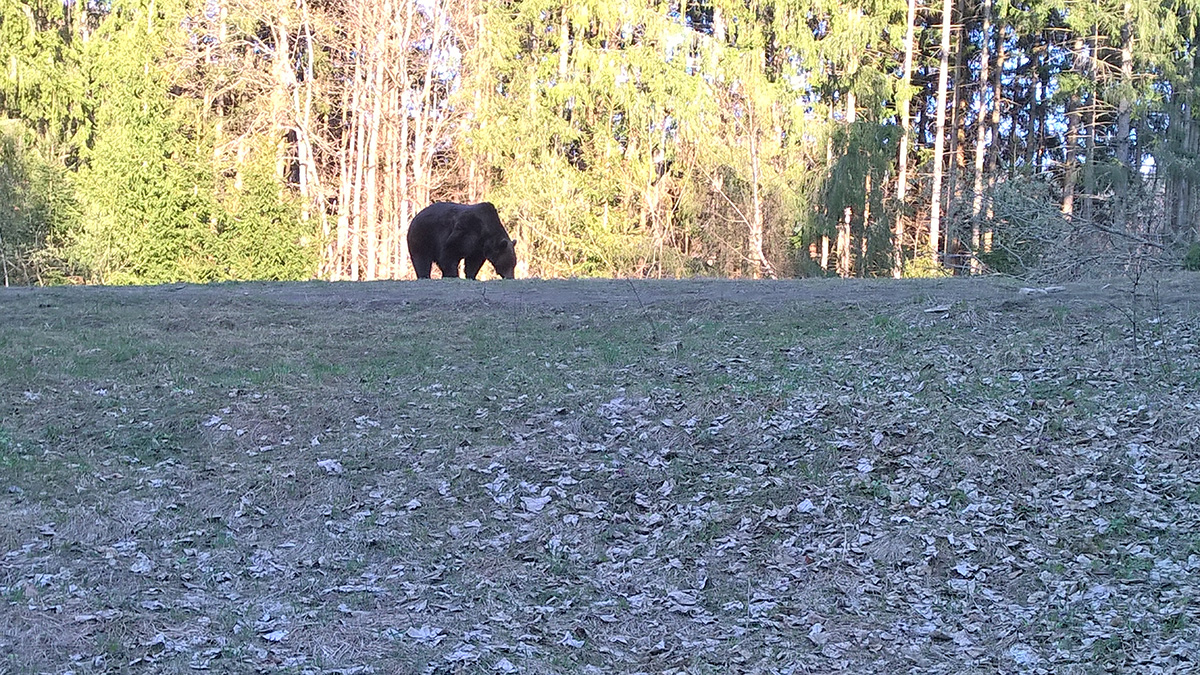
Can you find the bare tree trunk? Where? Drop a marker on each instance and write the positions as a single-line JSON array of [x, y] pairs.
[[1089, 159], [392, 225], [864, 241], [313, 192], [939, 143], [424, 134], [993, 154], [1070, 165], [371, 214], [481, 74], [4, 261], [1124, 103], [281, 69], [829, 168], [303, 120], [338, 257], [564, 42], [1124, 119], [762, 265], [1184, 223], [473, 177], [359, 158], [845, 242], [905, 132], [1033, 137], [653, 194], [1089, 131], [718, 28], [980, 138], [404, 154], [956, 154]]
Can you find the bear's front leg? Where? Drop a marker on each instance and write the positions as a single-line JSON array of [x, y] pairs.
[[449, 267], [472, 266]]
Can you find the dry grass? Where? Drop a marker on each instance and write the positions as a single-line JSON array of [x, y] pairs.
[[600, 477]]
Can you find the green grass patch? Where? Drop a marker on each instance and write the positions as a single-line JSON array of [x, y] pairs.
[[561, 473]]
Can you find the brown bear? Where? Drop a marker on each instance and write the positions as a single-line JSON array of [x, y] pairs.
[[447, 233]]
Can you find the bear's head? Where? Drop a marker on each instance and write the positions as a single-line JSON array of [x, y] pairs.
[[503, 256]]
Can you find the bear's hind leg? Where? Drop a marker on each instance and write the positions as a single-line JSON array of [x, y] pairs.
[[422, 265]]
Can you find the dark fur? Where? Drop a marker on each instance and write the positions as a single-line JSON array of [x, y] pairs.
[[447, 233]]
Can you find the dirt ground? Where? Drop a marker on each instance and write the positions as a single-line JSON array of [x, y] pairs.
[[1169, 291], [592, 476]]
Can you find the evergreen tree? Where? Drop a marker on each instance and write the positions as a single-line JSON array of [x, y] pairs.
[[217, 139]]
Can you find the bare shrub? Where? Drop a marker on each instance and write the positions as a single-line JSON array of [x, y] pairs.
[[1033, 239]]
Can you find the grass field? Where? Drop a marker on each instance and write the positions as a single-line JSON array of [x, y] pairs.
[[601, 477]]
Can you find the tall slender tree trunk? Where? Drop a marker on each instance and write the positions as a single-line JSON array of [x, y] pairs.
[[391, 185], [404, 152], [1125, 102], [1184, 127], [371, 188], [425, 141], [828, 168], [315, 197], [939, 141], [4, 261], [845, 227], [1070, 166], [1186, 225], [350, 94], [354, 269], [564, 42], [762, 266], [981, 115], [1089, 159], [1124, 127], [905, 133], [1189, 225], [359, 158], [718, 28], [993, 151], [1032, 135], [844, 243], [864, 240], [474, 179], [1089, 130], [1070, 153], [957, 151]]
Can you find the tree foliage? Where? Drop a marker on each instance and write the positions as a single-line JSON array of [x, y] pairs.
[[223, 139], [38, 208]]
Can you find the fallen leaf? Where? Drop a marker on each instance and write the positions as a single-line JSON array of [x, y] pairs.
[[331, 466], [535, 504]]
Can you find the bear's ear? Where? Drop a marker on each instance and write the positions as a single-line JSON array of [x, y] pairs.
[[514, 242]]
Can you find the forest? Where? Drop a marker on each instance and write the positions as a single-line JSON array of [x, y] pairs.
[[153, 141]]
